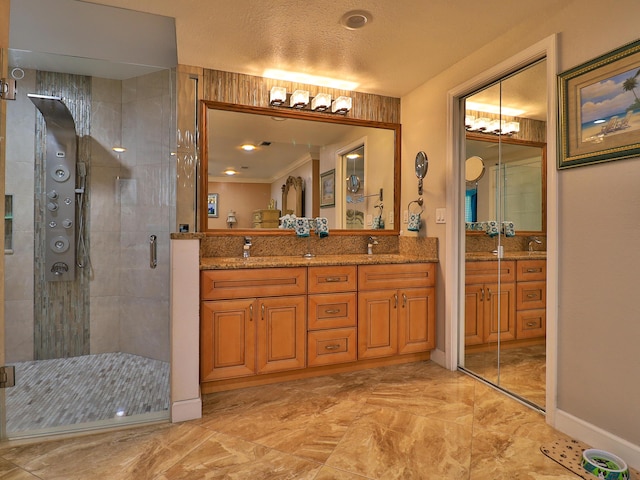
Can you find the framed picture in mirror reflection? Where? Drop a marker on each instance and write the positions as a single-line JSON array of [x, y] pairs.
[[328, 189], [212, 205]]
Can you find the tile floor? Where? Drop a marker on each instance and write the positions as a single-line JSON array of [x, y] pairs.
[[522, 370], [84, 389], [414, 421]]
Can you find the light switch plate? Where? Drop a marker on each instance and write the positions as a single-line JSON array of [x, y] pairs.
[[405, 216], [441, 215]]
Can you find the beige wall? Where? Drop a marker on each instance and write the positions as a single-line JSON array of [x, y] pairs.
[[243, 198], [599, 232]]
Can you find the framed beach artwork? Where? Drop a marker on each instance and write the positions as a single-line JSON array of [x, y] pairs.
[[600, 109], [328, 189]]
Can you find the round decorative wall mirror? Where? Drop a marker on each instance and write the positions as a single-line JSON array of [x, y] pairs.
[[473, 169], [422, 165], [353, 183]]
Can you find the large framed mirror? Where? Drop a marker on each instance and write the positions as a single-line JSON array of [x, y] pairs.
[[521, 166], [259, 159]]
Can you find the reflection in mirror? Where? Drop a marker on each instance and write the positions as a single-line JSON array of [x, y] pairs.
[[473, 171], [294, 144], [292, 195], [519, 176]]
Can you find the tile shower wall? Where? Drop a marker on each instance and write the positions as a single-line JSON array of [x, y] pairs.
[[130, 196], [18, 271]]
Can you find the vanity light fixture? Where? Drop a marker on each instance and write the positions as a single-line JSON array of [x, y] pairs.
[[488, 125], [321, 102], [277, 96], [299, 100], [341, 105]]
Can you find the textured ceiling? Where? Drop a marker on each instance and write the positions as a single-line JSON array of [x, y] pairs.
[[406, 43]]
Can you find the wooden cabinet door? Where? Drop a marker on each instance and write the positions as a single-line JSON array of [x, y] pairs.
[[282, 333], [416, 320], [499, 312], [227, 339], [377, 324], [474, 314]]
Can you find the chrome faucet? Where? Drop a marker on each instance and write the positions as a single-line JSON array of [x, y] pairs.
[[370, 243], [246, 248], [533, 240]]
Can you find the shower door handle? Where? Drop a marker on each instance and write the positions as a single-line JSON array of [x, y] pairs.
[[153, 251]]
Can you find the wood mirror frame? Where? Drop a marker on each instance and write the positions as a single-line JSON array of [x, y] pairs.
[[493, 139], [206, 105]]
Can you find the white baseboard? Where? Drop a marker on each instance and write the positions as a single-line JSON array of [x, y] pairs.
[[186, 410], [597, 438], [438, 356]]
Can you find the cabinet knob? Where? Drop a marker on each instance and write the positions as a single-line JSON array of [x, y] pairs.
[[531, 324], [531, 295]]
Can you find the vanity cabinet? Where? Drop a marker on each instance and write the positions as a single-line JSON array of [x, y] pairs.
[[332, 321], [490, 311], [262, 325], [396, 309], [252, 321], [531, 298]]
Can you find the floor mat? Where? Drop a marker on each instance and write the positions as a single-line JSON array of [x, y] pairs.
[[568, 453]]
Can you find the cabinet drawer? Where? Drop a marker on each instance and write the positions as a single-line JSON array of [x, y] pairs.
[[531, 295], [327, 347], [531, 323], [482, 272], [395, 276], [529, 270], [332, 310], [247, 283], [332, 279]]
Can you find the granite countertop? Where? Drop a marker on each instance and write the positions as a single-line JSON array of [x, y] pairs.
[[521, 255], [230, 263]]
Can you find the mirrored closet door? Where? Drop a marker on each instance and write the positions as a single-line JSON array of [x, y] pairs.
[[504, 159]]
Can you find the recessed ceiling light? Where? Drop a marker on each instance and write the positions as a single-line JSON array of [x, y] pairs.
[[118, 149], [355, 19], [247, 147], [230, 172]]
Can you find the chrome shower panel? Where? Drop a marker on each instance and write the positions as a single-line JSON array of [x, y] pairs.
[[59, 194]]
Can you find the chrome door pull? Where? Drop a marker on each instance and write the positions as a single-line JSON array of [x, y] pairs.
[[153, 251]]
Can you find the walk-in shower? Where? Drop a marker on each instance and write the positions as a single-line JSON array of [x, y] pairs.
[[87, 318]]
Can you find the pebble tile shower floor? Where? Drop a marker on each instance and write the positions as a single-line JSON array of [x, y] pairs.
[[68, 391]]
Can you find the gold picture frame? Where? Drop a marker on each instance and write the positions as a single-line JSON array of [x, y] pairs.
[[600, 109], [328, 189]]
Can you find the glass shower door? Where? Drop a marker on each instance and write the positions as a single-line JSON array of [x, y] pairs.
[[90, 351]]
